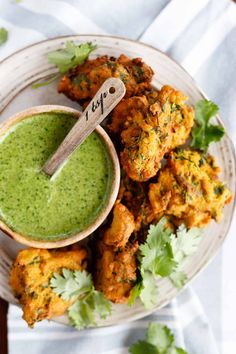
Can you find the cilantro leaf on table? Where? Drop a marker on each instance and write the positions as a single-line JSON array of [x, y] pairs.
[[87, 302], [159, 340], [71, 56], [204, 132], [67, 58], [3, 35]]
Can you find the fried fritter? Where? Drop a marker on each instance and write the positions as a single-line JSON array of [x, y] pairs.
[[121, 227], [84, 81], [151, 126], [116, 271], [188, 190], [30, 278], [134, 195], [116, 263]]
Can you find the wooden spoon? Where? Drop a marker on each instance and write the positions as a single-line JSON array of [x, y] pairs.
[[107, 97]]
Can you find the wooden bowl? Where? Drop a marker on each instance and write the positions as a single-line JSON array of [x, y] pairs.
[[114, 185]]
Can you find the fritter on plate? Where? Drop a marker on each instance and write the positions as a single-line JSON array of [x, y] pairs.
[[82, 82], [188, 190], [30, 278], [151, 126], [116, 263]]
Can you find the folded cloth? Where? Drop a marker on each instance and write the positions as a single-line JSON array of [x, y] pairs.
[[200, 34], [184, 316]]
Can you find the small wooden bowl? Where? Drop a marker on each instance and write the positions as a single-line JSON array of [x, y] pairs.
[[114, 187]]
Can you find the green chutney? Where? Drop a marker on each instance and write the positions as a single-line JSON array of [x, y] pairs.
[[43, 208]]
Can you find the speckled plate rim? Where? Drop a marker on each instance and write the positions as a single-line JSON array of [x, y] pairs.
[[166, 299]]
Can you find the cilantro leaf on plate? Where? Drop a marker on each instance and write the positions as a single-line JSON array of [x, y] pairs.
[[71, 284], [157, 252], [67, 58], [163, 255], [87, 302], [204, 132], [3, 35], [185, 242], [178, 278], [101, 305], [149, 292], [81, 315], [159, 340]]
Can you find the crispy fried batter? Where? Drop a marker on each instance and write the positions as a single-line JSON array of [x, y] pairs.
[[134, 195], [121, 227], [116, 271], [188, 189], [30, 277], [151, 127], [116, 265], [84, 81]]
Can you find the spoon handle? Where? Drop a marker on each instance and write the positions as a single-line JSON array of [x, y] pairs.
[[107, 97]]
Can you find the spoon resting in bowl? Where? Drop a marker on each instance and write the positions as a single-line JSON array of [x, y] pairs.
[[107, 97]]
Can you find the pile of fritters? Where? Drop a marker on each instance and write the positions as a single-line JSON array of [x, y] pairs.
[[159, 178], [149, 125]]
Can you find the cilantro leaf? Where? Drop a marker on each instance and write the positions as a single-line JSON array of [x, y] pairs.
[[135, 292], [3, 35], [101, 305], [143, 347], [71, 284], [78, 287], [149, 292], [66, 59], [81, 315], [185, 242], [159, 340], [160, 336], [71, 56], [178, 278], [163, 254], [157, 252], [204, 133]]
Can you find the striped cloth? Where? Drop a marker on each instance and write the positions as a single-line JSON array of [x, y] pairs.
[[201, 35]]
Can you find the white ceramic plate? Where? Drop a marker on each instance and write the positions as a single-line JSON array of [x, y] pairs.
[[20, 70]]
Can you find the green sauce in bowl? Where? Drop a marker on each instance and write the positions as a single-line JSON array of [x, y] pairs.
[[51, 209]]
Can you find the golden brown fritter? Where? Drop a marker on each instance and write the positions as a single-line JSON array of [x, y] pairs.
[[150, 127], [116, 263], [134, 195], [121, 227], [30, 277], [116, 271], [188, 190], [84, 81]]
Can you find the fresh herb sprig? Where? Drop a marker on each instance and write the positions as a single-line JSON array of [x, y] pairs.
[[77, 286], [163, 255], [67, 58], [204, 133], [159, 340], [3, 35]]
